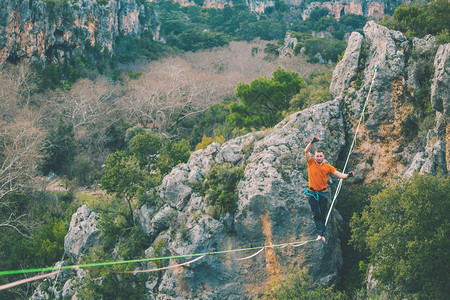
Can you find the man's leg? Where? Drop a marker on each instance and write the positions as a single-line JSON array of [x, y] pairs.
[[315, 208], [323, 206]]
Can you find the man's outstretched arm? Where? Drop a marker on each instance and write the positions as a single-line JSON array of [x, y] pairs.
[[308, 155], [344, 176]]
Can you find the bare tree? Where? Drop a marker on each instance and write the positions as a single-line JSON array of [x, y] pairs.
[[20, 143], [170, 92]]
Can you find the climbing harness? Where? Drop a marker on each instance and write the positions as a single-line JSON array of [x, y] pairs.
[[338, 189], [315, 194]]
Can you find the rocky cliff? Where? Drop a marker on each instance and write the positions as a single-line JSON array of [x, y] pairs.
[[374, 9], [49, 30], [57, 30], [271, 206]]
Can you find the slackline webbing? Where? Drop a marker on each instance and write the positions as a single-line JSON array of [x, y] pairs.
[[160, 269], [19, 282], [102, 264], [82, 266], [338, 189]]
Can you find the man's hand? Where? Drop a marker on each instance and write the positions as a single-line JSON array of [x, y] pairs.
[[309, 146], [350, 174], [315, 139]]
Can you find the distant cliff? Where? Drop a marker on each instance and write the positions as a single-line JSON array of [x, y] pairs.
[[55, 30], [368, 8], [375, 9]]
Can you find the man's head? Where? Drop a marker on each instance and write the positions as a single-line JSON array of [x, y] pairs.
[[319, 156]]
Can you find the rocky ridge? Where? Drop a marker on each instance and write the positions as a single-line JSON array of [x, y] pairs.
[[374, 9], [271, 206], [56, 31]]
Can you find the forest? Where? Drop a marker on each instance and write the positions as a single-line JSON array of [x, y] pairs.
[[106, 127]]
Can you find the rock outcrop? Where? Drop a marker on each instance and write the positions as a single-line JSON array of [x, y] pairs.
[[440, 96], [83, 233], [271, 208], [82, 236], [345, 72], [373, 9], [56, 31], [392, 135]]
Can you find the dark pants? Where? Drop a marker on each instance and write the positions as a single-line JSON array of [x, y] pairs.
[[319, 210]]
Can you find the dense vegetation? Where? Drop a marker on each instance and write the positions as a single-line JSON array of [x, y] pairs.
[[418, 21], [298, 284], [405, 231]]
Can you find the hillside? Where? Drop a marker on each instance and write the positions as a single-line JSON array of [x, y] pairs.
[[179, 132], [270, 206]]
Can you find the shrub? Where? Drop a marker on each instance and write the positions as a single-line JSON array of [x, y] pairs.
[[206, 141], [83, 170], [172, 154], [220, 188], [105, 283], [297, 284], [59, 149]]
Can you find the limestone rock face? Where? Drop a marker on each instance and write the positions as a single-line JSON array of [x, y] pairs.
[[390, 141], [386, 52], [440, 96], [83, 233], [440, 88], [346, 70], [55, 31], [271, 210], [374, 9]]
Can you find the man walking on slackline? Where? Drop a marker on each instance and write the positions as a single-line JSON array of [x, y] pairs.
[[318, 173]]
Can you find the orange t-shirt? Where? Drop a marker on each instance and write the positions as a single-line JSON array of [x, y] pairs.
[[318, 174]]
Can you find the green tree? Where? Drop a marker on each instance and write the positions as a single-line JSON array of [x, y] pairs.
[[59, 149], [47, 245], [145, 147], [406, 230], [172, 154], [220, 188], [316, 91], [123, 177], [131, 132], [50, 76], [206, 122], [417, 21], [264, 100]]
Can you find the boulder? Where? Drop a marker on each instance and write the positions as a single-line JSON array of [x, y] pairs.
[[440, 87], [346, 70], [83, 233]]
